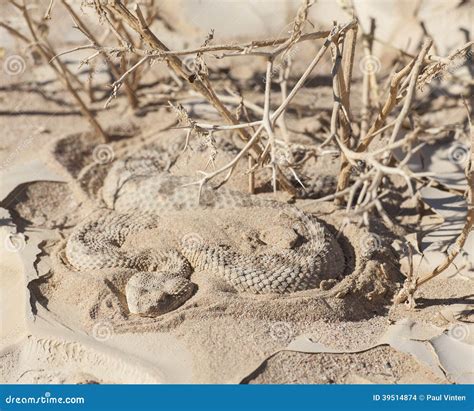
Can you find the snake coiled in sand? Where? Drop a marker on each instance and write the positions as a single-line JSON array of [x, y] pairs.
[[137, 193]]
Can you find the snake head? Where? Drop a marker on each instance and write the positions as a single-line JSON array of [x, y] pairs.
[[156, 293]]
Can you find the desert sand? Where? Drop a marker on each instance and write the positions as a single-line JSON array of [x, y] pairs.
[[61, 324]]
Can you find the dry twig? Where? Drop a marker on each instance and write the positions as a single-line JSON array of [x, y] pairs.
[[63, 74]]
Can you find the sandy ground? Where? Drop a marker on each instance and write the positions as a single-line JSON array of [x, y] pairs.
[[59, 325]]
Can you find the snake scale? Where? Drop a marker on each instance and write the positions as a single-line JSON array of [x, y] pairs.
[[137, 193]]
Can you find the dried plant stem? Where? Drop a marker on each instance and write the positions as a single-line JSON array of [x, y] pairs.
[[411, 89], [132, 98], [348, 53], [367, 42], [47, 14], [412, 284], [28, 41], [283, 82], [117, 83], [335, 33], [246, 48], [63, 75], [390, 103], [267, 123], [200, 85], [15, 32], [251, 175], [344, 79]]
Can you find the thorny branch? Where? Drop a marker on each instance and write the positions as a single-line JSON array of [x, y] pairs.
[[412, 283], [64, 75]]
